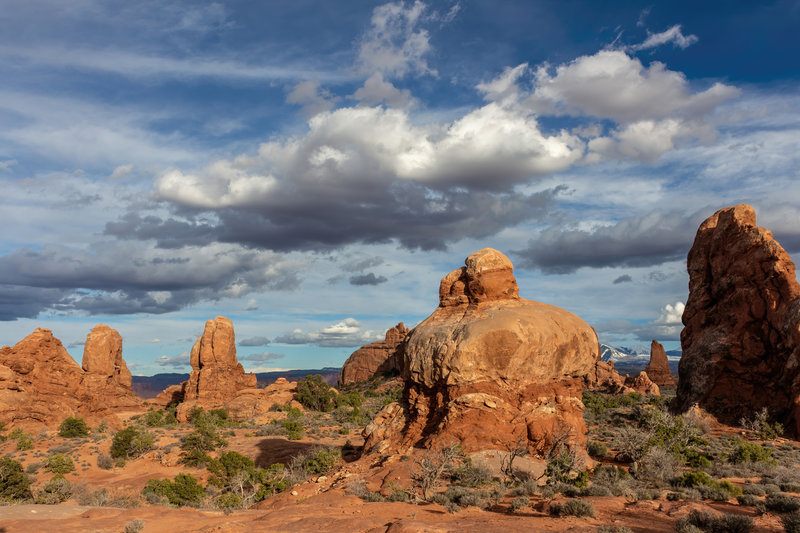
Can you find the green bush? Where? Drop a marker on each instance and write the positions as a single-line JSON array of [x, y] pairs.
[[321, 461], [780, 502], [24, 442], [73, 427], [791, 522], [273, 480], [14, 484], [352, 399], [748, 452], [573, 507], [184, 490], [59, 464], [519, 502], [232, 466], [702, 521], [57, 490], [294, 430], [130, 443], [596, 449], [313, 393]]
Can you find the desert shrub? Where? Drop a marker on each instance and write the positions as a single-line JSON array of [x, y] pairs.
[[791, 522], [134, 526], [596, 449], [462, 497], [573, 507], [631, 443], [205, 437], [357, 487], [313, 393], [130, 443], [24, 442], [352, 415], [321, 461], [428, 471], [598, 403], [693, 479], [790, 487], [615, 479], [782, 476], [399, 495], [73, 427], [754, 489], [294, 430], [273, 480], [657, 464], [470, 475], [519, 502], [702, 521], [708, 487], [238, 479], [780, 502], [697, 459], [59, 464], [14, 484], [55, 491], [748, 452], [761, 426], [351, 398], [103, 498], [614, 529], [184, 490], [105, 461], [749, 500]]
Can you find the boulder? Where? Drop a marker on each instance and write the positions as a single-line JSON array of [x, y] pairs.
[[741, 336], [217, 377], [605, 378], [641, 384], [488, 368], [658, 367], [380, 357]]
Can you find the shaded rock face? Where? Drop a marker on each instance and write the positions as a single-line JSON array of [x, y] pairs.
[[488, 367], [380, 357], [102, 356], [741, 336], [658, 367], [41, 384], [217, 377]]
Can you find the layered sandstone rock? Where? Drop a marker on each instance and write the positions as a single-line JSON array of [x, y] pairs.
[[41, 384], [605, 378], [741, 336], [380, 357], [217, 377], [658, 367], [102, 356], [488, 367]]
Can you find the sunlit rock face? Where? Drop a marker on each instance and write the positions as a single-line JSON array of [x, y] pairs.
[[741, 336], [488, 366]]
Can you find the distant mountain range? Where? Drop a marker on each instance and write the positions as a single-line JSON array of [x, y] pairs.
[[150, 386], [634, 359]]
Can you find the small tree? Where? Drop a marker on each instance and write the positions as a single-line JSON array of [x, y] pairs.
[[314, 393], [73, 427], [428, 471], [131, 442], [59, 464], [183, 490], [14, 484]]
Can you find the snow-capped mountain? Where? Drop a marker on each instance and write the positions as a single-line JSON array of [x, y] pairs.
[[621, 353]]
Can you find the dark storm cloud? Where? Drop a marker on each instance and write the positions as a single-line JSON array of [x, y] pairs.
[[116, 279], [625, 278], [651, 239], [254, 341], [413, 215], [367, 279]]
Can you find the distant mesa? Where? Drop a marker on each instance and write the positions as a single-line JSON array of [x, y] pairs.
[[382, 357], [741, 336], [658, 367], [488, 367], [40, 384]]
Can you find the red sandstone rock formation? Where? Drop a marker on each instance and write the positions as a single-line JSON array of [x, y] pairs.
[[658, 367], [41, 384], [741, 336], [102, 357], [217, 378], [488, 367], [375, 358], [605, 378]]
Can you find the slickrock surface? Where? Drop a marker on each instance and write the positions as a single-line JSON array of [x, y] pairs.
[[741, 336], [658, 367], [488, 367], [40, 384], [376, 358]]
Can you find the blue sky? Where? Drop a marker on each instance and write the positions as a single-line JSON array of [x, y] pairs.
[[311, 170]]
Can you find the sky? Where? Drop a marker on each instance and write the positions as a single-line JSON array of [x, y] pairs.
[[312, 169]]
